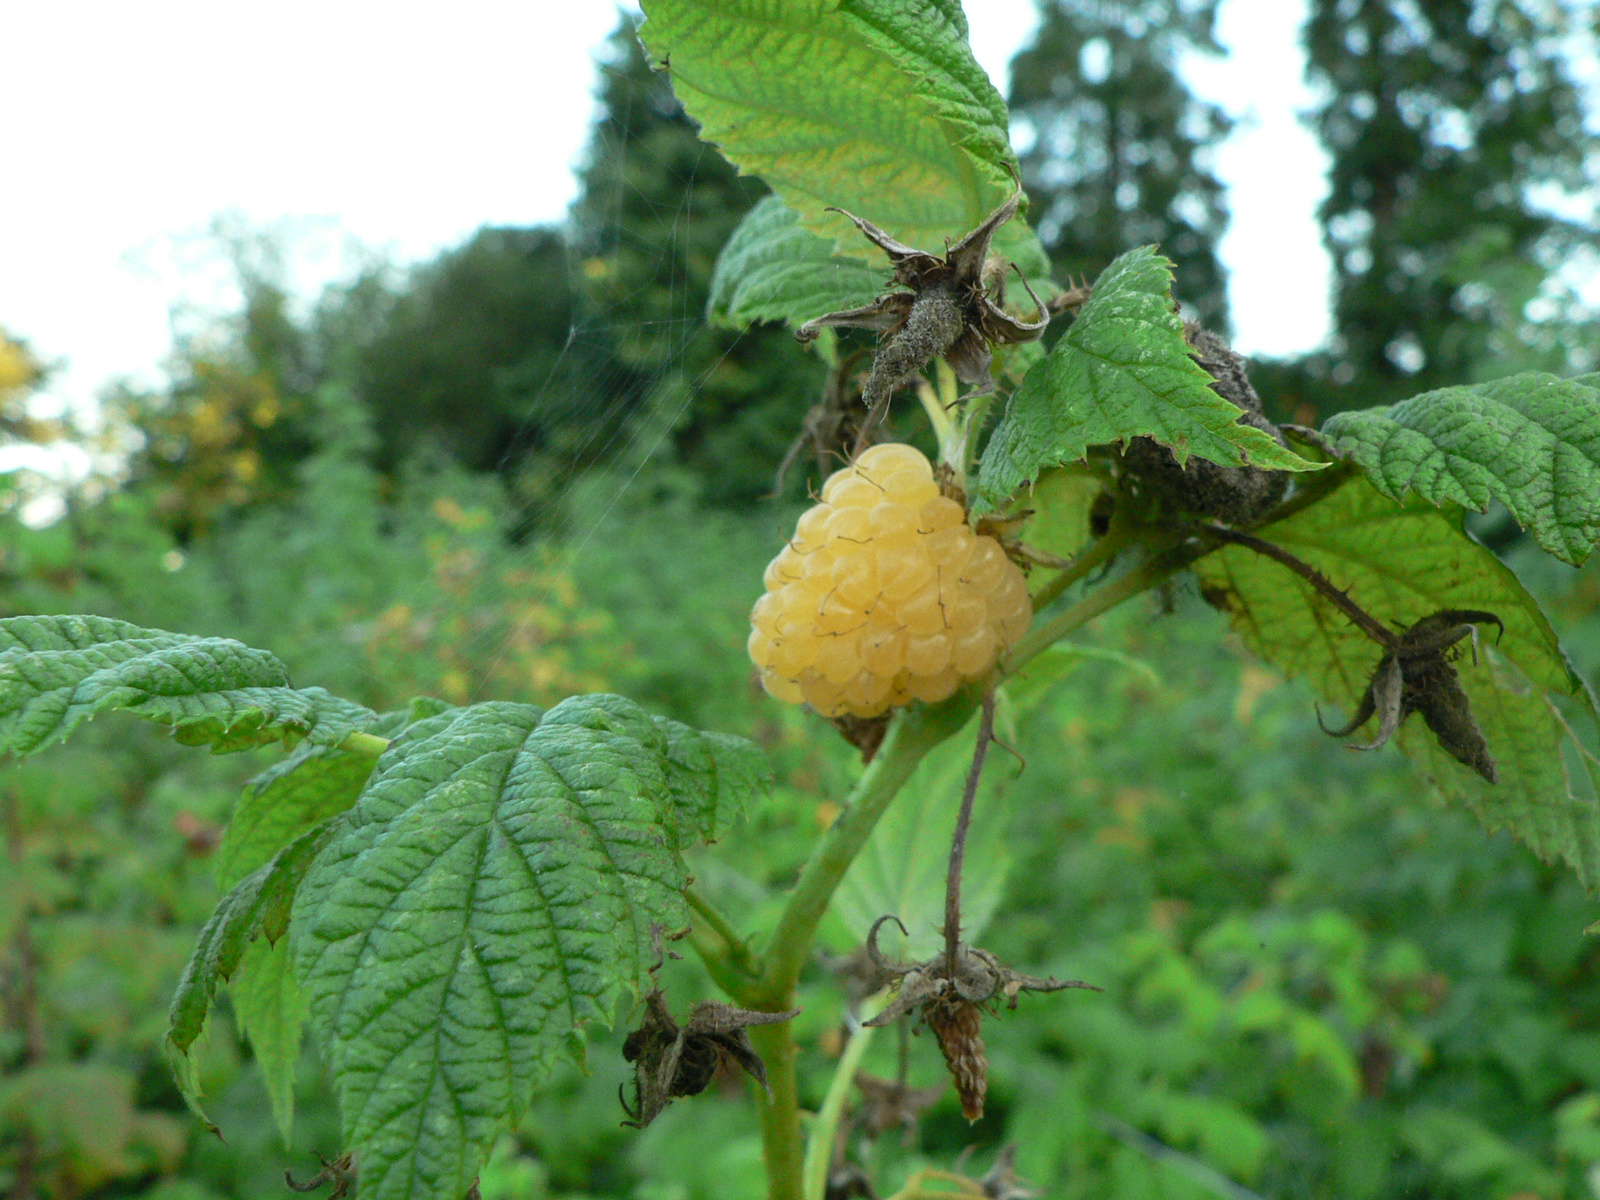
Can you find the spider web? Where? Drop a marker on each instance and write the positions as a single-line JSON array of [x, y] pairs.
[[631, 423]]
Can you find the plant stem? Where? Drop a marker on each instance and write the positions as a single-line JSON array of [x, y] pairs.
[[738, 953], [825, 1129], [958, 843], [779, 1109], [1160, 565], [1091, 558], [715, 960], [914, 732], [911, 736], [1336, 596]]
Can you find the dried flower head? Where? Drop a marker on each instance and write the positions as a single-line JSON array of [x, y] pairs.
[[670, 1061], [892, 1104], [952, 994], [954, 309], [1417, 674], [340, 1172]]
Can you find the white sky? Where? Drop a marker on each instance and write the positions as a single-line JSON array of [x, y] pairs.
[[131, 126]]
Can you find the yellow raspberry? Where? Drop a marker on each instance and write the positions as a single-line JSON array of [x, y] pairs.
[[884, 595]]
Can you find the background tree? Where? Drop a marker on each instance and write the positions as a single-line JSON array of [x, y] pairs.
[[474, 353], [1454, 130], [236, 417], [1114, 147], [20, 374]]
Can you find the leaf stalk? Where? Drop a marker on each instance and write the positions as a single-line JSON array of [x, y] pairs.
[[958, 843]]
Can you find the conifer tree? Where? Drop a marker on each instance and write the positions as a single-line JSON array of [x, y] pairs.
[[1445, 122]]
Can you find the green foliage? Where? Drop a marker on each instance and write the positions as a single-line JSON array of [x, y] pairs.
[[86, 1124], [271, 1008], [1305, 969], [57, 672], [504, 879], [775, 269], [258, 906], [302, 791], [1313, 988], [876, 106], [1532, 442], [290, 797], [1122, 370], [1401, 562]]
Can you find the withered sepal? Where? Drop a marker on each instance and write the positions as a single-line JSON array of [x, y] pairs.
[[1417, 674], [952, 998], [670, 1061]]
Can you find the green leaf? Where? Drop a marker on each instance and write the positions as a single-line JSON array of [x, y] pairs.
[[876, 106], [305, 789], [494, 889], [710, 776], [1122, 370], [57, 672], [259, 904], [1062, 502], [774, 269], [312, 784], [271, 1008], [1531, 441], [1400, 562]]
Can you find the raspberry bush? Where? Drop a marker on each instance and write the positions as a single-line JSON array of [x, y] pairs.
[[445, 896]]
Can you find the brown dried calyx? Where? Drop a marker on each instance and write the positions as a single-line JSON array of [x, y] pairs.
[[670, 1061], [1236, 495], [341, 1172], [1417, 674], [952, 998], [1002, 1182], [954, 309]]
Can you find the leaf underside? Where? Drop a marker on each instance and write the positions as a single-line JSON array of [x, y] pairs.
[[58, 672], [774, 269], [311, 784], [1122, 370], [271, 1009], [1402, 561], [258, 905], [1530, 441], [495, 888], [876, 106]]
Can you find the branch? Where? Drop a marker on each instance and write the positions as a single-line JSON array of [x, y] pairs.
[[958, 843], [715, 961], [912, 734], [1339, 598], [1142, 578], [1116, 539], [738, 950]]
